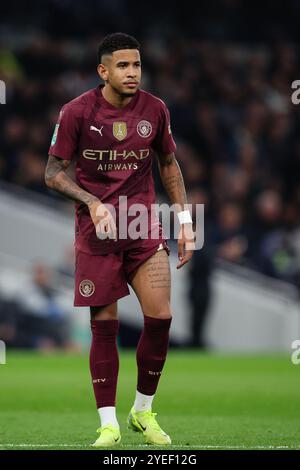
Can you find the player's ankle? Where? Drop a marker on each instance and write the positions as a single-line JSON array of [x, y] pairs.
[[142, 402], [108, 416]]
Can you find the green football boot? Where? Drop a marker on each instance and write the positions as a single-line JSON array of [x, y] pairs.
[[145, 422], [109, 436]]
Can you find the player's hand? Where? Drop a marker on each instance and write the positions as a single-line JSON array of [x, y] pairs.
[[103, 220], [186, 244]]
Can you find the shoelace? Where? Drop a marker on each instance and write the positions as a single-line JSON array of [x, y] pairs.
[[109, 427], [151, 416]]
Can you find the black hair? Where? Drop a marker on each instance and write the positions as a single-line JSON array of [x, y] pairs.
[[116, 42]]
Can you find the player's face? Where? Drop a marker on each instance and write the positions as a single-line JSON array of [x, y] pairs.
[[122, 71]]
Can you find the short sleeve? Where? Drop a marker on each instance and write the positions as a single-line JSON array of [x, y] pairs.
[[164, 142], [65, 136]]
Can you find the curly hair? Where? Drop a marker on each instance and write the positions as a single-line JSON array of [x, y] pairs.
[[115, 42]]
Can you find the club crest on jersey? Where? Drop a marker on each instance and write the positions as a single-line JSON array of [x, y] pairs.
[[86, 288], [120, 130], [144, 128]]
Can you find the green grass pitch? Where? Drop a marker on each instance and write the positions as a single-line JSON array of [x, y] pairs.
[[204, 401]]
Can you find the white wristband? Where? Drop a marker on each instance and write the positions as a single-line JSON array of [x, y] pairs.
[[184, 217]]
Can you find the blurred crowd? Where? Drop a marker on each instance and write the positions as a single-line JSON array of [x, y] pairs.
[[34, 313], [236, 129]]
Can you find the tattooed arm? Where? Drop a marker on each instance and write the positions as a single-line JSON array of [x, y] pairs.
[[172, 180], [57, 179]]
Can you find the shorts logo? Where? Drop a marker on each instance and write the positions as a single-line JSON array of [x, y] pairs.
[[120, 130], [86, 288], [144, 129]]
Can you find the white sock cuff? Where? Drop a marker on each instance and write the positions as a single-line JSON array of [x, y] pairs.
[[108, 416], [143, 402]]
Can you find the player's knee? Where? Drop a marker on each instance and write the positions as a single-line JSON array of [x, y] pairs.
[[107, 312], [160, 314]]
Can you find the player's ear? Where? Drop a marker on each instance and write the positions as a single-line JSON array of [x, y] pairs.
[[103, 72]]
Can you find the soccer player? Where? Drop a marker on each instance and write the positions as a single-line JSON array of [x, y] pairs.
[[112, 133]]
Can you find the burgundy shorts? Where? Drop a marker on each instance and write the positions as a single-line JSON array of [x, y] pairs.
[[103, 279]]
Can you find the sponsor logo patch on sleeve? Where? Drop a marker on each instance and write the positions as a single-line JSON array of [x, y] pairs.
[[54, 137]]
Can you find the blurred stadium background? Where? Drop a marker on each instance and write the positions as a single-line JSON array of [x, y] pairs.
[[225, 69]]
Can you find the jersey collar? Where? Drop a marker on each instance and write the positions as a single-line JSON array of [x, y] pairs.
[[105, 104]]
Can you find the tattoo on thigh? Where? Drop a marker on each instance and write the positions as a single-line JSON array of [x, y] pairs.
[[158, 271]]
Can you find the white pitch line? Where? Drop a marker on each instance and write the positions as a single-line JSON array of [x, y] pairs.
[[192, 447]]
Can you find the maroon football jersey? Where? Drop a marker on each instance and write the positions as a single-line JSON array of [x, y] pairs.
[[113, 151]]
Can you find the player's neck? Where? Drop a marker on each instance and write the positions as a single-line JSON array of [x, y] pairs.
[[114, 98]]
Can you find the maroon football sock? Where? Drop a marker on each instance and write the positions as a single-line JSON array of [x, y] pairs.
[[151, 353], [104, 361]]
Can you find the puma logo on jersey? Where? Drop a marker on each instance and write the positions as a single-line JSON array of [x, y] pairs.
[[93, 128]]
